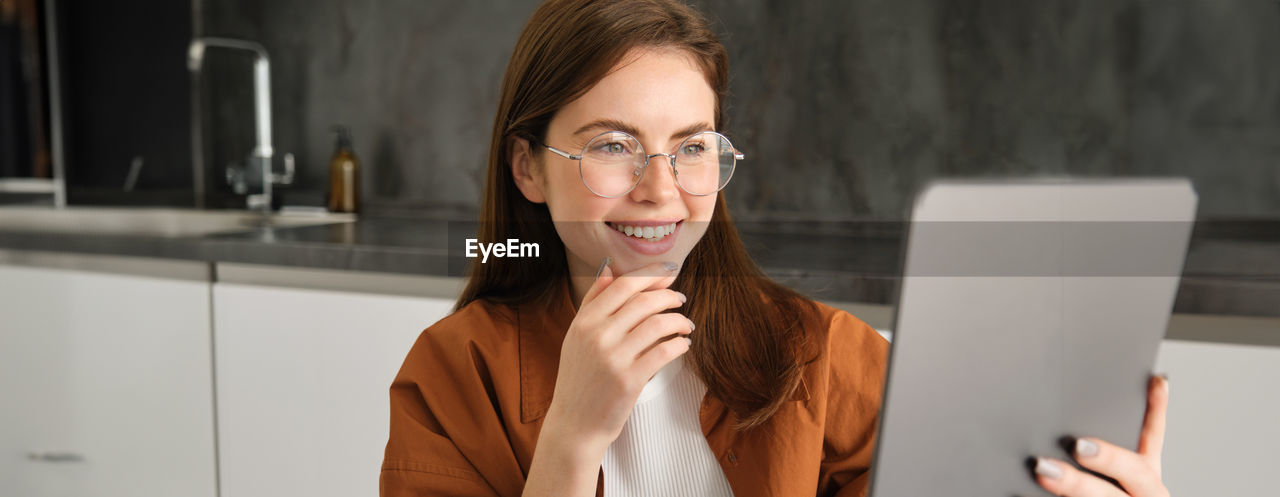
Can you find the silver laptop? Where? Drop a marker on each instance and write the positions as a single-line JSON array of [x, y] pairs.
[[1029, 311]]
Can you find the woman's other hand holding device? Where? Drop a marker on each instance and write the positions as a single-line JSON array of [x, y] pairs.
[[1137, 472]]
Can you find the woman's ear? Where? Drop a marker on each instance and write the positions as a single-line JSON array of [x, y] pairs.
[[522, 169]]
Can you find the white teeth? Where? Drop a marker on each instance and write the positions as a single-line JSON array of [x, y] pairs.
[[649, 233]]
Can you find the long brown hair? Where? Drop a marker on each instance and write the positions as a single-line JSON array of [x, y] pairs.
[[754, 335]]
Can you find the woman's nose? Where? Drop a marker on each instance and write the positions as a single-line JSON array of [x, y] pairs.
[[658, 183]]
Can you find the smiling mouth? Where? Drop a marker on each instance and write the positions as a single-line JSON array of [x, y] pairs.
[[646, 233]]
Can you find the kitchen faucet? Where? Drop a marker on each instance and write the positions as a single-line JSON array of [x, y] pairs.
[[262, 151]]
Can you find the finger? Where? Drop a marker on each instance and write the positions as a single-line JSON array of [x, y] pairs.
[[603, 278], [1151, 445], [624, 286], [1060, 478], [643, 305], [1128, 468], [655, 358], [652, 331]]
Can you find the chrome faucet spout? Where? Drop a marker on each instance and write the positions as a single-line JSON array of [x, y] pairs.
[[263, 150]]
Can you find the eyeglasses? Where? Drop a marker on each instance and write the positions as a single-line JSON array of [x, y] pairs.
[[613, 162]]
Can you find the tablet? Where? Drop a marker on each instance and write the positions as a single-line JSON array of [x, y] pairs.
[[1029, 311]]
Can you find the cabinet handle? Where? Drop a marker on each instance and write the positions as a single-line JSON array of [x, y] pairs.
[[55, 456]]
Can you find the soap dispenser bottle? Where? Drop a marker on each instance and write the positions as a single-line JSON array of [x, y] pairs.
[[344, 174]]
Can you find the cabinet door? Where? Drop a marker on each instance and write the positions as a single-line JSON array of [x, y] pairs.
[[1222, 428], [106, 381], [303, 380]]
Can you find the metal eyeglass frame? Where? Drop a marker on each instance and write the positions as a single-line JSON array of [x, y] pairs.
[[671, 158]]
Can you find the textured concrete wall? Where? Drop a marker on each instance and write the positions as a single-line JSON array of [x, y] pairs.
[[844, 107]]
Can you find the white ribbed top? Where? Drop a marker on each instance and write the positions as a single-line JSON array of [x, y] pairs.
[[661, 450]]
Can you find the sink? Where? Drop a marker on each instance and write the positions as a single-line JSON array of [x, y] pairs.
[[149, 221]]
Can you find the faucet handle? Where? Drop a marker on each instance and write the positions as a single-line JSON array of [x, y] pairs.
[[287, 177], [235, 178]]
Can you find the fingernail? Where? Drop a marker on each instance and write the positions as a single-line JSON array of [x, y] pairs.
[[670, 266], [1048, 469], [1165, 383], [687, 341], [692, 326], [1086, 448], [683, 298], [602, 265]]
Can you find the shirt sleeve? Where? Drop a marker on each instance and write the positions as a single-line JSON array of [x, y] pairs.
[[421, 458], [858, 358], [446, 435]]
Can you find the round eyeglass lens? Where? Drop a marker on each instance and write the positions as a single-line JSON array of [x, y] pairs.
[[704, 163], [612, 164]]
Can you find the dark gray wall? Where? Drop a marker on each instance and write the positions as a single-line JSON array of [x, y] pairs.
[[844, 107]]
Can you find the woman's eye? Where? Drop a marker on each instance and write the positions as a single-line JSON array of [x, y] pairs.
[[613, 148], [693, 149]]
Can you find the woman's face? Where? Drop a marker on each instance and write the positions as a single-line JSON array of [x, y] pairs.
[[660, 97]]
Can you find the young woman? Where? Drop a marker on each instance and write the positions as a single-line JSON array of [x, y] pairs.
[[643, 353]]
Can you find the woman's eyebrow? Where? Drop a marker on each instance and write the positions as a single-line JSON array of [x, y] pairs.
[[691, 129], [616, 125], [609, 125]]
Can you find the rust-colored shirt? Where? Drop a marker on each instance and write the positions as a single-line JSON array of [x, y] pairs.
[[467, 405]]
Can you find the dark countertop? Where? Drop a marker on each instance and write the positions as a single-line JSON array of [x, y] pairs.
[[1232, 267]]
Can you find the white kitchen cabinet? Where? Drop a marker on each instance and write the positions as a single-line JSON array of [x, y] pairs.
[[105, 376], [1222, 428], [303, 380]]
